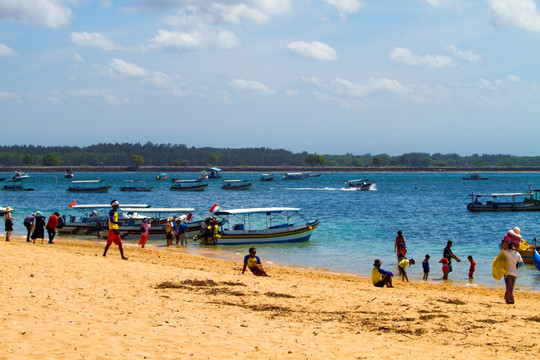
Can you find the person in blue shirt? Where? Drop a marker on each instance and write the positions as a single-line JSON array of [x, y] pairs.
[[254, 264], [425, 266], [381, 277], [181, 233]]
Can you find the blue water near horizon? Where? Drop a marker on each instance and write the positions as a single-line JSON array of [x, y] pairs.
[[356, 226]]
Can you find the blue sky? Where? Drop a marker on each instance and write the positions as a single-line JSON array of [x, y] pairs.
[[323, 76]]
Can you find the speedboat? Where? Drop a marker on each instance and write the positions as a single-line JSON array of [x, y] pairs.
[[19, 175], [69, 174], [161, 176], [213, 173], [92, 218], [88, 186], [267, 177], [294, 176], [236, 185], [188, 185], [498, 202], [359, 184], [133, 187], [263, 225], [475, 177]]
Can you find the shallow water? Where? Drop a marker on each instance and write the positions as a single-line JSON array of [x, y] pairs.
[[356, 226]]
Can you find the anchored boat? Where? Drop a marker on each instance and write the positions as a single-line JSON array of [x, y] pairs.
[[236, 185], [133, 187], [88, 186], [188, 185], [505, 202]]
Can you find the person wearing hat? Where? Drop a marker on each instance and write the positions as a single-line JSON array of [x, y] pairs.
[[379, 276], [512, 238], [39, 225], [449, 255], [29, 224], [114, 232], [8, 220], [169, 230], [513, 260], [52, 223], [181, 232]]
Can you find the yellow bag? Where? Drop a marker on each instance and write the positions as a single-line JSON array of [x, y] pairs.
[[500, 266]]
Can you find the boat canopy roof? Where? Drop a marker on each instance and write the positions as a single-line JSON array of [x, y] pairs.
[[234, 181], [503, 194], [255, 210], [158, 210], [356, 180], [100, 206], [213, 169], [85, 181], [187, 181]]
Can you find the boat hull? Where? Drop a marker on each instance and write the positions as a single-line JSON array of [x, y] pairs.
[[506, 206], [16, 188], [536, 259], [527, 255], [101, 189], [136, 189], [156, 232], [237, 187], [298, 233], [198, 187]]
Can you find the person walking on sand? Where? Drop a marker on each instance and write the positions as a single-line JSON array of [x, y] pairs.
[[403, 267], [449, 255], [8, 222], [425, 266], [29, 224], [400, 247], [473, 266], [51, 226], [514, 261], [114, 232], [39, 225], [254, 264], [145, 231], [379, 276]]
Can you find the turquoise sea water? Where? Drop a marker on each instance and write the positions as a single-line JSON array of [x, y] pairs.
[[356, 226]]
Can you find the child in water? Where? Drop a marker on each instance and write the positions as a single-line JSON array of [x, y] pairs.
[[403, 267], [425, 266], [472, 268], [445, 268]]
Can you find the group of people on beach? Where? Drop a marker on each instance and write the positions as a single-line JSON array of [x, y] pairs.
[[509, 246], [35, 225]]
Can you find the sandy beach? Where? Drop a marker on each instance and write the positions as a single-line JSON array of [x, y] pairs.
[[67, 301]]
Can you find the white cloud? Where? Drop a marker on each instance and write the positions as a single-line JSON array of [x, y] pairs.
[[5, 96], [93, 94], [292, 93], [77, 58], [342, 86], [119, 69], [94, 40], [47, 13], [513, 78], [467, 55], [521, 14], [6, 51], [315, 50], [405, 56], [180, 40], [313, 80], [440, 3], [246, 85], [346, 7]]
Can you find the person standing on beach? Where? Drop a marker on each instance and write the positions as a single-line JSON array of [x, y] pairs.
[[425, 266], [472, 268], [39, 225], [254, 264], [379, 276], [449, 255], [400, 248], [51, 226], [514, 261], [114, 232], [181, 236], [145, 231], [8, 222], [28, 224], [169, 231]]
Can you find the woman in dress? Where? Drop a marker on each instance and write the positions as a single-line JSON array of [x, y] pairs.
[[8, 219]]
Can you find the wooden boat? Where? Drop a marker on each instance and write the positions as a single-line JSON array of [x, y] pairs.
[[188, 185], [359, 184], [213, 173], [91, 218], [526, 250], [17, 187], [161, 176], [131, 229], [69, 174], [294, 176], [267, 177], [309, 175], [263, 225], [518, 202], [236, 185], [85, 186], [132, 187], [475, 177]]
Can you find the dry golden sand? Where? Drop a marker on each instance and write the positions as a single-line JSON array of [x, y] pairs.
[[67, 301]]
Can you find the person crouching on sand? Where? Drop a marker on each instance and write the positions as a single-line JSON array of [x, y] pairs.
[[403, 267], [381, 277], [114, 233], [254, 264]]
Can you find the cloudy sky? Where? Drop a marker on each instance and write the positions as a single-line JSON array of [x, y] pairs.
[[323, 76]]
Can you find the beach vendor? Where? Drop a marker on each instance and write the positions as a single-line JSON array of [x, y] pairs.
[[8, 222], [145, 230], [403, 267], [379, 276], [513, 260], [449, 255], [254, 264], [513, 238], [114, 232]]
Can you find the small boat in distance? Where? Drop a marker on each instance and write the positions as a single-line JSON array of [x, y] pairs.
[[236, 185], [132, 187], [308, 175], [359, 184], [188, 185], [17, 187], [294, 176], [213, 173], [267, 177], [19, 176], [86, 186], [69, 174], [161, 176], [518, 202], [258, 226], [474, 177]]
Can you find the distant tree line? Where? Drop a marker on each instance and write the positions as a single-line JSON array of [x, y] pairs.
[[150, 154]]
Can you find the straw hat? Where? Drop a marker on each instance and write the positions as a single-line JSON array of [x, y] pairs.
[[8, 209], [515, 232]]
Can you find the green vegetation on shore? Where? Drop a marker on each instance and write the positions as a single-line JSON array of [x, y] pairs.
[[139, 155]]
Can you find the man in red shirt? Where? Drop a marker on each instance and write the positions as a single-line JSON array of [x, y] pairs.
[[51, 226]]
